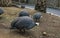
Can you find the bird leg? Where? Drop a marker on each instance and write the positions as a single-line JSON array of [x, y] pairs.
[[0, 17], [22, 30]]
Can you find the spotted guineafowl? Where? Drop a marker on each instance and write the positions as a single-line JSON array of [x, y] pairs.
[[22, 6], [1, 11], [23, 13], [37, 16], [23, 23]]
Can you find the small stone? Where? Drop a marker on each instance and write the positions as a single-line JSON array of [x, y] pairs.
[[44, 34]]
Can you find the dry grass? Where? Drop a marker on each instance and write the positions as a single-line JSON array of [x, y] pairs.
[[48, 23]]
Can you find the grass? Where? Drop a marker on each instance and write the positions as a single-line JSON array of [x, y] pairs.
[[48, 23]]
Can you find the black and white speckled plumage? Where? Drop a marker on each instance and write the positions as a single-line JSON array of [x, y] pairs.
[[23, 13], [1, 11], [22, 6], [37, 16], [24, 22]]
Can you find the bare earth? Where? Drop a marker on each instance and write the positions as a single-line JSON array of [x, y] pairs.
[[48, 23]]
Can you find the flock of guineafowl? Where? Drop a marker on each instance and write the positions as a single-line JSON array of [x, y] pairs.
[[24, 21]]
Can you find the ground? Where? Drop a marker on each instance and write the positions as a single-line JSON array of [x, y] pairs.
[[48, 23]]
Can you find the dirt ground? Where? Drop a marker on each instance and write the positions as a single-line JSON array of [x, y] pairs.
[[48, 23]]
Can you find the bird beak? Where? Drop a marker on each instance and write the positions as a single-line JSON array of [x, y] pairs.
[[41, 16], [37, 24]]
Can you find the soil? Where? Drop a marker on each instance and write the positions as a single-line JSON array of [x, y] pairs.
[[48, 23]]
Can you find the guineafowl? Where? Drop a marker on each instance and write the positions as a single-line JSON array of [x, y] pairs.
[[22, 6], [23, 13], [14, 22], [37, 16], [23, 23], [1, 11]]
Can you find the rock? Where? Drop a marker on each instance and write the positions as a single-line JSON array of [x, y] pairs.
[[44, 34]]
